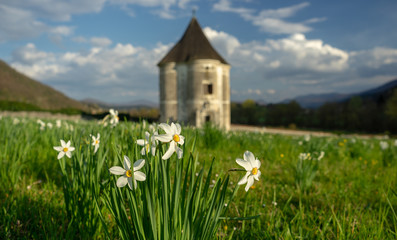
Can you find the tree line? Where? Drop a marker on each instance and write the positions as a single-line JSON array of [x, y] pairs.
[[358, 114]]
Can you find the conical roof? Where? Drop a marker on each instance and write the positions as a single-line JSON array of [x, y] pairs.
[[193, 45]]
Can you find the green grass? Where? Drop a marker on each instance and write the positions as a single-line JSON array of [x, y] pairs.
[[348, 194]]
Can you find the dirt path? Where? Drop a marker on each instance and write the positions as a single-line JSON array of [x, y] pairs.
[[236, 127], [41, 115]]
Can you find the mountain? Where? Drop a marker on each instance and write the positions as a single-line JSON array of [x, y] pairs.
[[381, 92], [137, 104], [16, 87], [378, 94], [316, 100]]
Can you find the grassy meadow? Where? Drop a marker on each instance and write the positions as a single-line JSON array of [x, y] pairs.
[[310, 187]]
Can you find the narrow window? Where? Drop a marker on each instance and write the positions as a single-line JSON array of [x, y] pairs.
[[208, 89], [209, 86], [207, 118]]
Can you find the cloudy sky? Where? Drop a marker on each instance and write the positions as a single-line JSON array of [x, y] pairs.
[[108, 49]]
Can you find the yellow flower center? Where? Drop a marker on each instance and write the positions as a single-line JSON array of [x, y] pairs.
[[176, 138], [65, 149], [128, 173], [147, 147], [96, 142], [254, 171]]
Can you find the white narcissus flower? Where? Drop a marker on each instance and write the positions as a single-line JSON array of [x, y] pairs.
[[172, 136], [251, 165], [95, 142], [65, 148], [114, 117], [127, 172], [147, 147], [384, 145], [42, 124]]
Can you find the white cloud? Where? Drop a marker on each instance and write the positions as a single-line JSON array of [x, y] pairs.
[[254, 91], [292, 53], [295, 64], [110, 73], [225, 6], [57, 10], [100, 41], [278, 26], [36, 64], [79, 39], [163, 8], [224, 42], [17, 23], [377, 57], [271, 20], [21, 19], [282, 12], [271, 91], [62, 30]]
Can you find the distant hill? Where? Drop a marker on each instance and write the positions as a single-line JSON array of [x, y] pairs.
[[316, 100], [18, 88], [378, 94], [138, 104]]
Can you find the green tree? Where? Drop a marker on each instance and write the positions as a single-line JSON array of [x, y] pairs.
[[391, 106]]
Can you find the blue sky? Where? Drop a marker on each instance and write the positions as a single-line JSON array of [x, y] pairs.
[[108, 49]]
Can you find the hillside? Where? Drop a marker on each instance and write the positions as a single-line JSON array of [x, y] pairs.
[[16, 87], [378, 94]]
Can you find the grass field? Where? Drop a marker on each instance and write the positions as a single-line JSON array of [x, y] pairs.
[[348, 193]]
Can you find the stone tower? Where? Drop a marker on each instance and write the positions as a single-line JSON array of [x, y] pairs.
[[194, 82]]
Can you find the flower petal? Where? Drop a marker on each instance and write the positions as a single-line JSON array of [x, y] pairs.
[[140, 142], [256, 176], [143, 151], [250, 182], [164, 137], [139, 164], [248, 156], [122, 181], [153, 150], [181, 140], [130, 183], [178, 128], [68, 154], [70, 149], [147, 136], [244, 179], [166, 128], [116, 170], [96, 148], [244, 164], [127, 163], [169, 152], [174, 129], [58, 148], [63, 144], [61, 154], [139, 176], [257, 163], [179, 152]]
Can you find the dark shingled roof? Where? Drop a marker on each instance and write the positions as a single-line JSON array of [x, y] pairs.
[[192, 46]]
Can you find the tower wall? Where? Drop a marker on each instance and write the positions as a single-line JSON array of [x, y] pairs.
[[168, 93], [205, 96]]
